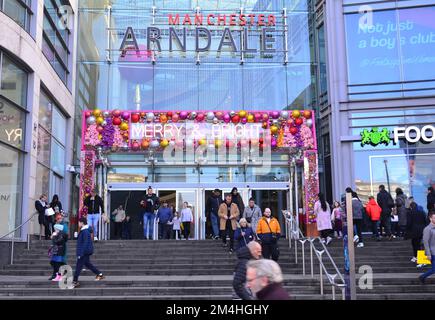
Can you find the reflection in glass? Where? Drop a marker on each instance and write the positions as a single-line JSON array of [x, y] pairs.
[[13, 82]]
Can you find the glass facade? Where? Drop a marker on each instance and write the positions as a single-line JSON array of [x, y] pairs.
[[399, 45], [19, 11], [51, 147], [13, 92], [175, 81], [409, 166], [55, 39]]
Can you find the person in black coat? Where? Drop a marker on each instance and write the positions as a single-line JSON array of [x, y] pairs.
[[43, 220], [212, 209], [56, 204], [430, 199], [416, 222], [237, 199], [386, 202], [250, 252]]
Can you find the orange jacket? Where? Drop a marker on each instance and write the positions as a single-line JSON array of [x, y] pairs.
[[373, 210], [263, 228]]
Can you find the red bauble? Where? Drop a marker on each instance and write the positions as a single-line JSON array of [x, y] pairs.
[[299, 121], [88, 114], [135, 146], [117, 121], [116, 113], [229, 144], [293, 130], [169, 114], [100, 129], [235, 119], [261, 140], [135, 118]]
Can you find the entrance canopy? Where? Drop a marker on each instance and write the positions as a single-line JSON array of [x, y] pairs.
[[203, 137]]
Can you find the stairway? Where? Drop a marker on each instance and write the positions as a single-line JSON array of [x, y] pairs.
[[169, 269], [139, 269], [394, 275]]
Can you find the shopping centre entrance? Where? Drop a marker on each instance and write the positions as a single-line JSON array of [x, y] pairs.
[[276, 199]]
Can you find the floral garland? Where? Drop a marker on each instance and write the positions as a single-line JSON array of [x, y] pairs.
[[311, 186], [87, 165]]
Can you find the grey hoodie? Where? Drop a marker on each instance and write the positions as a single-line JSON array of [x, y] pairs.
[[429, 239]]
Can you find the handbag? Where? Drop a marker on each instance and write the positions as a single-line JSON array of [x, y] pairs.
[[49, 212]]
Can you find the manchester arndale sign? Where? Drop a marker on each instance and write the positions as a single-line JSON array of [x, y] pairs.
[[248, 25], [411, 134]]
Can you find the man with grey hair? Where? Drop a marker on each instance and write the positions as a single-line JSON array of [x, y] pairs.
[[251, 251], [264, 278]]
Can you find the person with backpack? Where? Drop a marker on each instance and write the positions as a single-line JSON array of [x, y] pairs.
[[386, 202], [373, 210], [85, 248], [252, 214], [269, 231], [57, 251], [357, 214]]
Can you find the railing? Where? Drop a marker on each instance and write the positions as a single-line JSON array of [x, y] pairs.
[[293, 232], [13, 238]]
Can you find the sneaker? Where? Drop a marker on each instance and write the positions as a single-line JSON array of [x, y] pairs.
[[231, 250], [328, 240], [95, 239], [414, 259], [360, 245], [99, 277], [323, 241], [216, 237], [58, 278], [355, 239], [51, 278], [76, 284], [421, 265], [339, 237]]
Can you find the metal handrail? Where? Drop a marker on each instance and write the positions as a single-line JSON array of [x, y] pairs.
[[296, 234], [13, 238]]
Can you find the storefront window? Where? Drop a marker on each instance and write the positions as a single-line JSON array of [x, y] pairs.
[[128, 174], [10, 189], [12, 124], [222, 174], [176, 174], [13, 81], [44, 143], [276, 174], [42, 180]]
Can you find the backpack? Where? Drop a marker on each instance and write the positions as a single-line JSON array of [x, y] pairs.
[[390, 201]]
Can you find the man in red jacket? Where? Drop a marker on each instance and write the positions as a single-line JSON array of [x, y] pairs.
[[374, 212]]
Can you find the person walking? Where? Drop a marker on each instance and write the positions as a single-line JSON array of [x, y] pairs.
[[252, 214], [322, 212], [186, 219], [85, 248], [119, 216], [57, 251], [401, 201], [264, 278], [176, 226], [237, 199], [95, 206], [150, 203], [244, 234], [429, 245], [59, 219], [126, 228], [416, 222], [41, 205], [430, 199], [337, 218], [164, 216], [386, 202], [212, 209], [357, 214], [228, 214], [252, 251], [269, 231], [374, 211]]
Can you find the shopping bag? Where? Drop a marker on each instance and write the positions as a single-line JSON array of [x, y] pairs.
[[181, 226], [49, 212], [422, 258]]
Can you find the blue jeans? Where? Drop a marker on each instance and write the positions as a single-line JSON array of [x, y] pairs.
[[84, 262], [148, 219], [93, 220], [215, 224], [431, 271], [375, 228]]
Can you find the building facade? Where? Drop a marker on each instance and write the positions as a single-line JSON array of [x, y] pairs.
[[195, 56], [37, 62], [380, 71]]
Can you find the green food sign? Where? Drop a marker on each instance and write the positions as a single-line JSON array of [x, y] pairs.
[[375, 137]]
